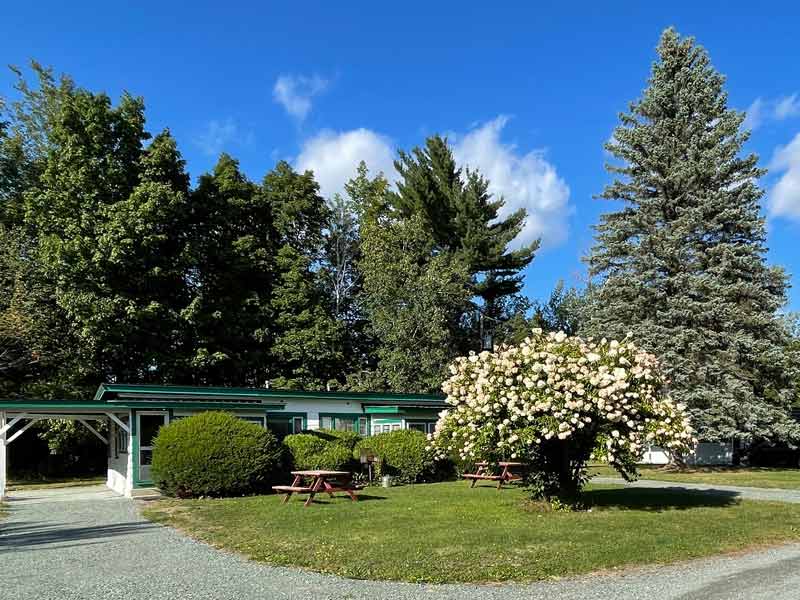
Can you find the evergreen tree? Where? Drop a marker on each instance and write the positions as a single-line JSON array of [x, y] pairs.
[[561, 312], [461, 216], [683, 264]]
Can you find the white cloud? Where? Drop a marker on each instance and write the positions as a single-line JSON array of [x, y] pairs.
[[524, 180], [219, 135], [788, 106], [754, 115], [334, 156], [779, 109], [294, 93], [784, 197]]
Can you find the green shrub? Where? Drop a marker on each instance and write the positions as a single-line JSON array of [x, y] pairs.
[[403, 454], [349, 439], [304, 449], [214, 454], [336, 457], [322, 449]]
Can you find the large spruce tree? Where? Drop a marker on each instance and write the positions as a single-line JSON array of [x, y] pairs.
[[682, 262]]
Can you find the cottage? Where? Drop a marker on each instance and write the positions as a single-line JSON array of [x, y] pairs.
[[134, 414]]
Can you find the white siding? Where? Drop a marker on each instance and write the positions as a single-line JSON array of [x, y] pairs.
[[706, 453], [314, 408], [120, 468]]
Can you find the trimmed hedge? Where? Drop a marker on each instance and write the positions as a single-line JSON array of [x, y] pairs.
[[404, 455], [214, 454], [322, 449]]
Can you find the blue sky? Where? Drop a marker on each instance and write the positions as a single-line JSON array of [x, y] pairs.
[[526, 92]]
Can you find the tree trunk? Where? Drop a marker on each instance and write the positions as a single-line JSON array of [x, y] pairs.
[[568, 486], [736, 455]]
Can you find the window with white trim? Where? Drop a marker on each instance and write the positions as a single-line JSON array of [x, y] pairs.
[[339, 423], [423, 426]]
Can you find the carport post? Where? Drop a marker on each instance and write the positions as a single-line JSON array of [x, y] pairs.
[[3, 451]]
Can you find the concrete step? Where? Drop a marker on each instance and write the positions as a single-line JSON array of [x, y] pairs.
[[146, 493]]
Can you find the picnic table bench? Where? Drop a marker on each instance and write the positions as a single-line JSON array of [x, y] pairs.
[[322, 481], [506, 476]]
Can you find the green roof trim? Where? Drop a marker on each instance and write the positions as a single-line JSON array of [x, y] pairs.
[[113, 396], [111, 392], [382, 410], [33, 404], [102, 406]]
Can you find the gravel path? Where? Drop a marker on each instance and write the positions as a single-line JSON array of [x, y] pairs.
[[85, 543], [749, 493]]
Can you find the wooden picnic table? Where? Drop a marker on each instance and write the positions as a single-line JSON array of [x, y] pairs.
[[506, 476], [322, 481]]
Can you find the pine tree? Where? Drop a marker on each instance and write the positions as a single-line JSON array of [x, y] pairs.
[[561, 312], [461, 216], [682, 263]]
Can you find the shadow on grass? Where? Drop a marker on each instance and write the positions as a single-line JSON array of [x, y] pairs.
[[671, 498]]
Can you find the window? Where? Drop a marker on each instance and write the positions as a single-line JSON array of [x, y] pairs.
[[363, 426], [282, 424], [423, 426], [385, 426], [120, 438], [344, 424], [149, 424], [258, 420], [340, 423]]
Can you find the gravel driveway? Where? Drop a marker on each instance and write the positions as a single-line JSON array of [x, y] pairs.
[[87, 543], [747, 493]]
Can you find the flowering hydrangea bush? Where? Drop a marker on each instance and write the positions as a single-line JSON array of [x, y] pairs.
[[555, 401]]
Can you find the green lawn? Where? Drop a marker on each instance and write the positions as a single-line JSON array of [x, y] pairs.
[[753, 477], [447, 532], [40, 484]]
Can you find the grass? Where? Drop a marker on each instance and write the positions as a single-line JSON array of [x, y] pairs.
[[48, 483], [788, 479], [447, 532]]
